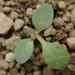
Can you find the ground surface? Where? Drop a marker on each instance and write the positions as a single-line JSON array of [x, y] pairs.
[[14, 15]]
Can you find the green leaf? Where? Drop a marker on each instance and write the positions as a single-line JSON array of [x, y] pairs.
[[56, 55], [42, 18], [24, 50]]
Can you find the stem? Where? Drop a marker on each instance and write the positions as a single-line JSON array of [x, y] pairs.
[[37, 36]]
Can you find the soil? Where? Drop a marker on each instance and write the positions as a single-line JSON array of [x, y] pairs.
[[15, 15]]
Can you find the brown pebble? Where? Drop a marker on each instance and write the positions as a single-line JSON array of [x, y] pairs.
[[73, 16], [48, 71], [3, 65], [2, 72], [58, 22], [72, 33], [37, 72], [71, 42]]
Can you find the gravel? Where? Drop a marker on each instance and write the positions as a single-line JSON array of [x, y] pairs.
[[15, 15]]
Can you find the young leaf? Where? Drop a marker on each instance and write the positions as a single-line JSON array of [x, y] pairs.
[[56, 55], [24, 50], [43, 17]]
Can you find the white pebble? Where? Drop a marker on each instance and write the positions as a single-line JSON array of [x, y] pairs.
[[18, 24], [61, 4], [29, 11], [10, 57]]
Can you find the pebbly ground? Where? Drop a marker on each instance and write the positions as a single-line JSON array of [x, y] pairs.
[[14, 15]]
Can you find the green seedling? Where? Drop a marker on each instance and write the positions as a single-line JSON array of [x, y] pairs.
[[55, 55]]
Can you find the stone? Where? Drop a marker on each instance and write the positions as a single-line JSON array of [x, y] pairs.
[[3, 65], [18, 24], [72, 33], [58, 22], [14, 15], [71, 42], [6, 9], [61, 4], [50, 31], [10, 57], [38, 6], [48, 71], [29, 11], [5, 23], [37, 73], [2, 72], [12, 42], [73, 16], [42, 1]]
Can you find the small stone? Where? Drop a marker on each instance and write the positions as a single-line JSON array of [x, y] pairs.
[[18, 24], [11, 65], [42, 1], [72, 58], [14, 15], [29, 11], [38, 6], [66, 17], [71, 42], [70, 7], [73, 16], [72, 33], [5, 23], [61, 4], [13, 71], [3, 65], [2, 72], [10, 3], [69, 27], [6, 9], [58, 22], [22, 1], [37, 73], [71, 67], [10, 57], [50, 31], [26, 19], [48, 71], [12, 42]]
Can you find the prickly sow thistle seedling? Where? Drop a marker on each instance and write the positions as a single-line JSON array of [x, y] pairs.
[[55, 55]]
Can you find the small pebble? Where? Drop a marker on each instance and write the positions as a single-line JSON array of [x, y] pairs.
[[72, 33], [14, 15], [61, 4], [10, 57], [38, 6], [71, 42], [12, 42], [73, 16], [42, 1], [66, 17], [72, 58], [6, 9], [29, 11], [58, 22], [50, 31], [18, 24], [2, 72], [48, 71], [5, 23], [37, 73], [3, 65]]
